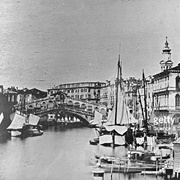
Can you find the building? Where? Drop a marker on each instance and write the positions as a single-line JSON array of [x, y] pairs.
[[130, 87], [29, 95], [163, 92], [6, 109], [107, 94], [11, 94], [88, 91]]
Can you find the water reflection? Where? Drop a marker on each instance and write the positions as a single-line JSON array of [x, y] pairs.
[[57, 154]]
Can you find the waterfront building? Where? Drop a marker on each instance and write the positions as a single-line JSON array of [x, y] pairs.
[[26, 96], [130, 86], [1, 89], [87, 91], [166, 93], [107, 94], [5, 110], [11, 94], [163, 94]]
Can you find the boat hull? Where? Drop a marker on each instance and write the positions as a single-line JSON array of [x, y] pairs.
[[15, 133], [94, 141]]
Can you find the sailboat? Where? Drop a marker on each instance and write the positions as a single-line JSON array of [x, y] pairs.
[[97, 120], [118, 122], [33, 128], [23, 125]]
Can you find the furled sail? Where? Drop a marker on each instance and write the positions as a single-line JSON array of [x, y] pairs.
[[33, 119], [17, 123]]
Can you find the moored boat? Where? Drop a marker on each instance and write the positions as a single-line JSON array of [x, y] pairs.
[[117, 131], [94, 141], [24, 126]]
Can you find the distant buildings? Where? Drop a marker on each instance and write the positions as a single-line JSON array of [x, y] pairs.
[[162, 93], [21, 97], [29, 95], [11, 94], [88, 91]]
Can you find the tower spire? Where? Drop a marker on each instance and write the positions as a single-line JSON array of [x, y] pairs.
[[166, 45], [166, 63]]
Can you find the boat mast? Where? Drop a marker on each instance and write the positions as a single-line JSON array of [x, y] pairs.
[[141, 104], [117, 89], [145, 104]]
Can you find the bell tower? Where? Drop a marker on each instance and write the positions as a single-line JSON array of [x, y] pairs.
[[166, 63]]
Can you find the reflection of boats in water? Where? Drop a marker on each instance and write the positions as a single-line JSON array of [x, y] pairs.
[[34, 132], [135, 162], [125, 168], [25, 125]]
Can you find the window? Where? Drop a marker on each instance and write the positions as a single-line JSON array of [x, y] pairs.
[[177, 100], [13, 98], [178, 83]]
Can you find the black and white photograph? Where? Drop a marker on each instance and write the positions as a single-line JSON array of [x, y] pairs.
[[89, 89]]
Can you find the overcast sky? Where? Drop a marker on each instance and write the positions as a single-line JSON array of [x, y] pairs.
[[48, 42]]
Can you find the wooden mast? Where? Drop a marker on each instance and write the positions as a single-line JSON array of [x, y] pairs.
[[145, 104], [117, 89], [116, 103]]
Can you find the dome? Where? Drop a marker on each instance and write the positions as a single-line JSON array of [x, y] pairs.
[[169, 62], [162, 62]]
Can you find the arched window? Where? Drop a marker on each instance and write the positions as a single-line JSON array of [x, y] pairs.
[[177, 100], [76, 105], [83, 106]]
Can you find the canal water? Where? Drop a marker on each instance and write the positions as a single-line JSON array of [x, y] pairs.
[[57, 154]]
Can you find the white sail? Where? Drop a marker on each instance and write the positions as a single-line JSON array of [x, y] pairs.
[[122, 112], [1, 117], [17, 122], [109, 114], [33, 119], [132, 119], [97, 118]]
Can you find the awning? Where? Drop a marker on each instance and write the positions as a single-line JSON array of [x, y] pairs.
[[119, 129]]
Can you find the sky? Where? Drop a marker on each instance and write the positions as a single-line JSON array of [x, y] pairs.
[[49, 42]]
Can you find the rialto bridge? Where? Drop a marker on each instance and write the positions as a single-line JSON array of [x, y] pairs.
[[62, 108]]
